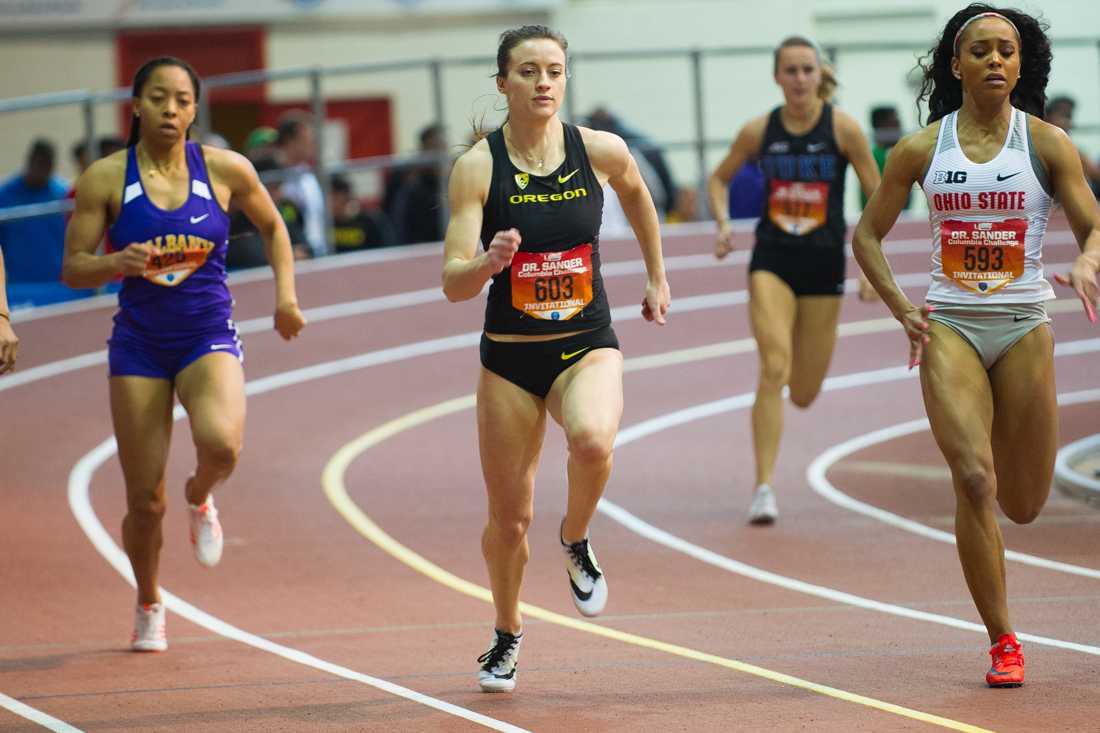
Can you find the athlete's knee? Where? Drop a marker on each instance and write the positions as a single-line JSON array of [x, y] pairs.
[[977, 485], [145, 507], [591, 445], [775, 370], [220, 454], [801, 397], [1022, 510], [510, 527]]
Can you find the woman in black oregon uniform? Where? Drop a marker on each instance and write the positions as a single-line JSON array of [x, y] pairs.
[[532, 193], [797, 269]]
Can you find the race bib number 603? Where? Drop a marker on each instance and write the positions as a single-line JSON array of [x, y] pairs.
[[553, 286], [983, 256]]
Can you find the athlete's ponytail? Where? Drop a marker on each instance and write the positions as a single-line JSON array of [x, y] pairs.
[[142, 76], [944, 92]]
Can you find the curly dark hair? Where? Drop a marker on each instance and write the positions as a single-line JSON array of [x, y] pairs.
[[944, 92]]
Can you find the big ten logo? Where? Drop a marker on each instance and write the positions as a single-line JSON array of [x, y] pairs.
[[949, 177]]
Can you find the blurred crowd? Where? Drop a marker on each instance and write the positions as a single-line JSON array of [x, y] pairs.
[[406, 210]]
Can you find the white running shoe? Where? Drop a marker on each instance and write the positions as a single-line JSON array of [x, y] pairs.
[[586, 581], [149, 628], [206, 532], [763, 509], [500, 662]]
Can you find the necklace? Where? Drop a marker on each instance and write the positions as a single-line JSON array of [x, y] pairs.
[[535, 161]]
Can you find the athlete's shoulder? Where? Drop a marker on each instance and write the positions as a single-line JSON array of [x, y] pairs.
[[913, 152], [601, 142], [472, 172], [227, 164], [1050, 140], [104, 175]]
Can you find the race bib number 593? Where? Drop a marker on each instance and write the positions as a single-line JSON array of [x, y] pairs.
[[553, 286], [983, 256]]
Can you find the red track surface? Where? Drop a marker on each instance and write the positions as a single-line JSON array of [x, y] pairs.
[[297, 573]]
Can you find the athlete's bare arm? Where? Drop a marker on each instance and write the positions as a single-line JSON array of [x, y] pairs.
[[905, 165], [9, 342], [236, 172], [465, 271], [611, 159], [81, 266], [1060, 156], [853, 146], [745, 147]]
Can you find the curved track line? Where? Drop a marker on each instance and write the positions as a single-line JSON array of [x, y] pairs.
[[333, 483], [36, 716], [80, 502], [823, 487]]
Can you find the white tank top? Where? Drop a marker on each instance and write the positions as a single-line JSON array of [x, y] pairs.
[[988, 220]]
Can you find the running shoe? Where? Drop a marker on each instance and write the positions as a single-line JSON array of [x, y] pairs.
[[149, 628], [500, 662], [206, 532], [586, 581], [1008, 663], [763, 509]]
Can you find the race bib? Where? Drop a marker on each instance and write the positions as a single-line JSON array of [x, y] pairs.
[[553, 286], [798, 207], [983, 256], [180, 256]]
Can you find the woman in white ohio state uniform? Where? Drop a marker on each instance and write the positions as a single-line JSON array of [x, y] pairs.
[[990, 168]]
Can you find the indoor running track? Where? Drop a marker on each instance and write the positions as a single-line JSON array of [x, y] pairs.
[[352, 591]]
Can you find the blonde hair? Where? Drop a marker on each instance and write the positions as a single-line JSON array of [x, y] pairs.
[[829, 81]]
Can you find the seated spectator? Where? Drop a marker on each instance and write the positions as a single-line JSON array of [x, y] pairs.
[[33, 247], [106, 145], [885, 133], [353, 227], [260, 143], [246, 246], [686, 208], [650, 158]]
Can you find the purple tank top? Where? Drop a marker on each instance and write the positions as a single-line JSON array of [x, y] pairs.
[[184, 289]]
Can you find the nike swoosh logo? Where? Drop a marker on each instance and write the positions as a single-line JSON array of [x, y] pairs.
[[814, 147], [578, 592], [1017, 319], [197, 219], [508, 676], [215, 347], [567, 357], [563, 179], [1010, 175]]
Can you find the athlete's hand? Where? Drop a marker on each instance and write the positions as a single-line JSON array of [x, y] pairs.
[[867, 292], [1082, 278], [723, 245], [289, 320], [656, 301], [9, 346], [915, 322], [135, 258], [501, 250]]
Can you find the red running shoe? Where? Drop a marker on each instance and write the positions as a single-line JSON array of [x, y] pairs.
[[1008, 663]]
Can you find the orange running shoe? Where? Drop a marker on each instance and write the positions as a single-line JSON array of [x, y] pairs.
[[1008, 663]]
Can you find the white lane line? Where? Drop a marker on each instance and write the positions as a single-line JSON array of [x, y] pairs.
[[36, 716], [80, 502], [822, 486]]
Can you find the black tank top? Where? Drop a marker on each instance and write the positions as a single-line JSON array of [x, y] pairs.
[[554, 283], [803, 185]]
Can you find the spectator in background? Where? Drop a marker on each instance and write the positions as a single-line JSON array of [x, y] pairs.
[[260, 143], [296, 147], [34, 247], [246, 245], [1059, 112], [412, 198], [686, 208], [353, 227], [107, 144], [885, 133], [654, 169]]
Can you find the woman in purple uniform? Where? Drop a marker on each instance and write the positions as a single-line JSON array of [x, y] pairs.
[[165, 200]]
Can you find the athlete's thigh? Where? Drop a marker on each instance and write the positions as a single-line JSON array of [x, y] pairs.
[[772, 310], [588, 397], [958, 399], [1025, 419], [813, 341], [141, 410], [510, 426], [211, 389]]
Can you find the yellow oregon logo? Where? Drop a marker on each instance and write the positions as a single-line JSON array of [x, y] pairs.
[[522, 180]]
